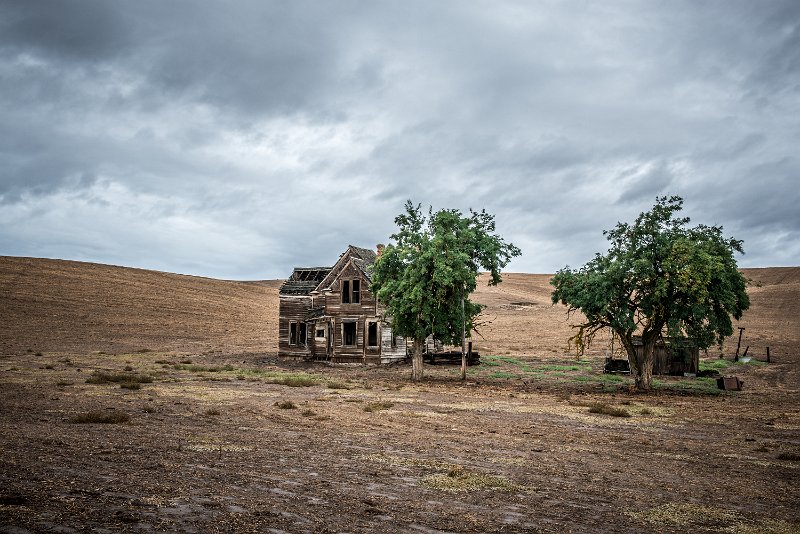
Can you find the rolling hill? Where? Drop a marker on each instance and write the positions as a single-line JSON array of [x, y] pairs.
[[57, 305]]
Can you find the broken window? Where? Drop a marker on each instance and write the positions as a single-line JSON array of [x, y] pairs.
[[349, 333], [356, 291], [302, 340], [372, 334], [292, 333], [345, 291]]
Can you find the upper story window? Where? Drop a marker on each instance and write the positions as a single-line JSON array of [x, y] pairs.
[[351, 291]]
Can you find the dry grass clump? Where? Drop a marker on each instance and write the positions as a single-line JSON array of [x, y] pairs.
[[130, 385], [460, 480], [605, 409], [97, 417], [791, 456], [285, 405], [682, 514], [294, 381], [105, 377], [337, 385], [308, 413], [377, 406], [212, 411]]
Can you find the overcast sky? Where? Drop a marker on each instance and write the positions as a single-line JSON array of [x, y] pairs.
[[238, 139]]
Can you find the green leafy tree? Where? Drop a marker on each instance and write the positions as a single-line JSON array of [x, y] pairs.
[[424, 280], [659, 277]]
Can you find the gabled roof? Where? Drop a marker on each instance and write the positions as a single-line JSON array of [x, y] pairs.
[[304, 280], [361, 258]]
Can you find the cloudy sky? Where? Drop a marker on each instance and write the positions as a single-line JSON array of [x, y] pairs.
[[238, 139]]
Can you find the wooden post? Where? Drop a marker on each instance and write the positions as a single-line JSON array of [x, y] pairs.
[[463, 339], [738, 344], [768, 355]]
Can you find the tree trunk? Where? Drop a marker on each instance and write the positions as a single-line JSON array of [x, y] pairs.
[[416, 360], [641, 366]]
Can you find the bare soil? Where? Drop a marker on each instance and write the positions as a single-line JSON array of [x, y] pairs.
[[207, 446]]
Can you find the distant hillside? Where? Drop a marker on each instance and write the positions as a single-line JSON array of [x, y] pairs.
[[56, 305], [50, 305]]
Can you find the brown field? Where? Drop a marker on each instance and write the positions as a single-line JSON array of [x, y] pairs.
[[202, 437]]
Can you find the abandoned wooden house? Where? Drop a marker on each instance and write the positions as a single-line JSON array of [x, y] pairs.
[[329, 313]]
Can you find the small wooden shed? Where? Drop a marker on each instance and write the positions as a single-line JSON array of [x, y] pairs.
[[672, 357]]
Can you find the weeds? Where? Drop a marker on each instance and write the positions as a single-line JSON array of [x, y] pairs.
[[193, 368], [96, 417], [130, 385], [458, 480], [294, 381], [337, 385], [377, 406], [104, 377], [285, 405], [503, 374], [605, 409]]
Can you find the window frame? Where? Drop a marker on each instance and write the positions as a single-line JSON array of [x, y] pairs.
[[355, 333]]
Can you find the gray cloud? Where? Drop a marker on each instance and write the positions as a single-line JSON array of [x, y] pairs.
[[236, 140]]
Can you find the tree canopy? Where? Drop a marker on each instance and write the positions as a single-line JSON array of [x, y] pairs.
[[659, 278], [425, 278]]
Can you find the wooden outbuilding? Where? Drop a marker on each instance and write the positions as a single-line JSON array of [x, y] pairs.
[[671, 358], [329, 313]]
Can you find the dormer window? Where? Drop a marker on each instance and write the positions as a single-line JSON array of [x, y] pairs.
[[351, 291]]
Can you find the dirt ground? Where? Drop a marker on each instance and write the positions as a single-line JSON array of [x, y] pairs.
[[222, 437]]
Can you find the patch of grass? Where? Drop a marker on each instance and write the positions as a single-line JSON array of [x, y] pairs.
[[503, 374], [460, 480], [683, 514], [605, 409], [96, 417], [104, 377], [130, 385], [557, 367], [714, 365], [64, 383], [294, 381], [285, 405], [193, 368], [308, 413], [646, 411], [377, 406], [504, 359], [337, 385], [790, 456], [212, 411], [699, 385]]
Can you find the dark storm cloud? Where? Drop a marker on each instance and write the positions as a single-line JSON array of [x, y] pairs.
[[238, 139]]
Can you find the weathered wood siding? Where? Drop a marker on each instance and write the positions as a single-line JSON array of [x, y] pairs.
[[291, 308]]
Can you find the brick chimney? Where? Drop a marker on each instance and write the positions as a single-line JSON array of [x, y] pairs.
[[380, 250]]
